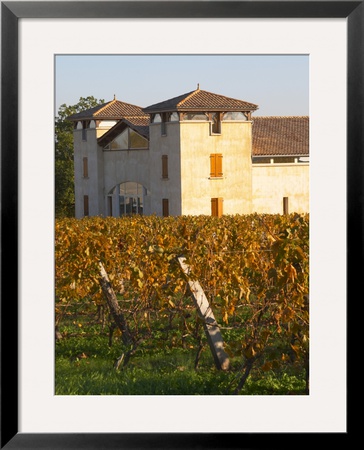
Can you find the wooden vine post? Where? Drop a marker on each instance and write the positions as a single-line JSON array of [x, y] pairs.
[[115, 310], [211, 328]]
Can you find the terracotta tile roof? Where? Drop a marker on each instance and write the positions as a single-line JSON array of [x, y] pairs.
[[113, 110], [274, 136], [200, 100], [138, 124]]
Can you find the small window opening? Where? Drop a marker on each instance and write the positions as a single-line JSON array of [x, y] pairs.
[[164, 124], [85, 167], [216, 123], [85, 206], [165, 207], [285, 205], [164, 166]]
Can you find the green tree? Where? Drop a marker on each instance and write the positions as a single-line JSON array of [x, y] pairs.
[[64, 170]]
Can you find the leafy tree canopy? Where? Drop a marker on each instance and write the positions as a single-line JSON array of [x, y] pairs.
[[64, 171]]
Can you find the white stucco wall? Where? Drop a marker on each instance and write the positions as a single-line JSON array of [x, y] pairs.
[[121, 166], [197, 144], [189, 189], [105, 126], [93, 184], [168, 188], [272, 182]]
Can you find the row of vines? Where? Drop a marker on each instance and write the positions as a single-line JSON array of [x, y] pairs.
[[254, 270]]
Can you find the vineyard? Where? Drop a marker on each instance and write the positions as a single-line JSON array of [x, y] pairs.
[[253, 270]]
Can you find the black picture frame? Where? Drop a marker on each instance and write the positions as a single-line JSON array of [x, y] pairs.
[[11, 11]]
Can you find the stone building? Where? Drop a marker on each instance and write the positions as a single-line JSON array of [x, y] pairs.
[[198, 153]]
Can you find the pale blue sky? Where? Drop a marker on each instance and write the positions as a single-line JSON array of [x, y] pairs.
[[279, 84]]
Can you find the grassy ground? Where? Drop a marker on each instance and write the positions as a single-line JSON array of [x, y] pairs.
[[84, 366]]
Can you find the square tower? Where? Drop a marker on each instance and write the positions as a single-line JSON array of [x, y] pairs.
[[200, 154]]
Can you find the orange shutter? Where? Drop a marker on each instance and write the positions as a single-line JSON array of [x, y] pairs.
[[219, 207], [216, 207], [212, 166], [285, 205], [216, 165]]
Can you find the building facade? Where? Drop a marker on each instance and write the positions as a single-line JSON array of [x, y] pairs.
[[198, 153]]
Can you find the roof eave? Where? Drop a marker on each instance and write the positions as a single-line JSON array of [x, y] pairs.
[[199, 109], [114, 117], [283, 155]]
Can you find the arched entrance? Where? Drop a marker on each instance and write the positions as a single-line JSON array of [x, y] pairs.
[[126, 198]]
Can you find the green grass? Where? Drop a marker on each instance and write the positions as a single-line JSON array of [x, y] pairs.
[[85, 366], [98, 377]]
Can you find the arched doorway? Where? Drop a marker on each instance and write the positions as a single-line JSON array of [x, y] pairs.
[[126, 198]]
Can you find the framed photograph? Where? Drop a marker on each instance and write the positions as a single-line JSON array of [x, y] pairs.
[[33, 34]]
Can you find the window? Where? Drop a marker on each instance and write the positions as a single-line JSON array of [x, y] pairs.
[[163, 124], [216, 207], [157, 118], [285, 205], [163, 119], [164, 166], [121, 142], [126, 199], [276, 160], [85, 167], [128, 139], [234, 115], [261, 160], [216, 165], [131, 198], [216, 123], [163, 128], [85, 125], [165, 207], [85, 206], [136, 140], [195, 116], [174, 117], [284, 160], [130, 205]]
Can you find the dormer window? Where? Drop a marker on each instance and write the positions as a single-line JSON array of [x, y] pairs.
[[128, 140]]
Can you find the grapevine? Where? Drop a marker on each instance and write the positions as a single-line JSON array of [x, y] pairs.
[[253, 268]]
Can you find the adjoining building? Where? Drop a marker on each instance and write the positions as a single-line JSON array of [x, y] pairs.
[[198, 153]]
